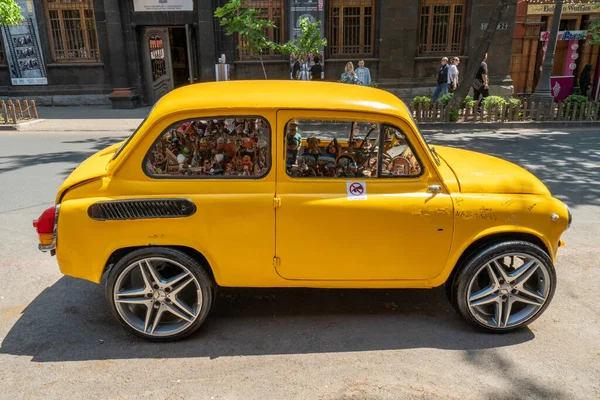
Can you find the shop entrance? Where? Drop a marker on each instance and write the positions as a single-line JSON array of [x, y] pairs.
[[168, 59]]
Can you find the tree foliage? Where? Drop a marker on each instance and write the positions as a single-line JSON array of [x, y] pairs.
[[238, 18], [309, 41], [10, 13]]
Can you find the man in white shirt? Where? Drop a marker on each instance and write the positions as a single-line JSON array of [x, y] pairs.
[[453, 74]]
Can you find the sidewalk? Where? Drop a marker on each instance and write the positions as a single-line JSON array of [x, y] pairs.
[[105, 119], [86, 119]]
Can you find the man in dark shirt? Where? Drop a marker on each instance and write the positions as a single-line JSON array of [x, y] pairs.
[[442, 80], [316, 70], [481, 77]]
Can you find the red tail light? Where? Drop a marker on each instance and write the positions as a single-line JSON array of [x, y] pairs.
[[45, 224]]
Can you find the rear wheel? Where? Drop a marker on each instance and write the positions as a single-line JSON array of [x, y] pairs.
[[505, 286], [159, 293]]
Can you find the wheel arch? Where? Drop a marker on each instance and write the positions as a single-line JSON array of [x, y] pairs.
[[189, 251], [490, 239]]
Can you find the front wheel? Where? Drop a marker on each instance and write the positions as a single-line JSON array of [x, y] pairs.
[[160, 294], [505, 286]]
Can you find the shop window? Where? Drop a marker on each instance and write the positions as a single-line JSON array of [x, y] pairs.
[[271, 10], [351, 28], [212, 148], [72, 30], [347, 149], [441, 27]]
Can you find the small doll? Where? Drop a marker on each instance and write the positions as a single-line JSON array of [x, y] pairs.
[[229, 169], [334, 149]]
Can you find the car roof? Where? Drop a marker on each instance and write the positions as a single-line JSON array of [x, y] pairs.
[[281, 94]]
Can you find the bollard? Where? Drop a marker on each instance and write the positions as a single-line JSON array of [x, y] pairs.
[[12, 112], [4, 111], [19, 110], [35, 113], [26, 103]]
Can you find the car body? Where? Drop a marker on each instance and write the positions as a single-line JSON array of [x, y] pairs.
[[276, 217]]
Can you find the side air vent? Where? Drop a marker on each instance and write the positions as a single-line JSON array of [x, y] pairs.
[[141, 209]]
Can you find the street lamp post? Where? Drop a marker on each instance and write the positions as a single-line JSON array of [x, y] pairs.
[[543, 91]]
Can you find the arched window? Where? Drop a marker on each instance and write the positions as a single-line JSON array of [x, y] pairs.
[[351, 28], [72, 30], [441, 28]]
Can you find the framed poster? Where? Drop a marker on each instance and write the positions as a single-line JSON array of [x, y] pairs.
[[163, 5], [23, 51], [314, 10]]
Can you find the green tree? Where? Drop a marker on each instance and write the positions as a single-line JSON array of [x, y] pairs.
[[238, 18], [309, 41], [10, 13], [594, 28]]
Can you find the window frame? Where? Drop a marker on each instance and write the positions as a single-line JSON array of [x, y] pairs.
[[210, 177], [269, 6], [341, 5], [450, 30], [81, 6], [382, 126]]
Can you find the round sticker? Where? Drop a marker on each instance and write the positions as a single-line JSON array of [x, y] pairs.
[[572, 66]]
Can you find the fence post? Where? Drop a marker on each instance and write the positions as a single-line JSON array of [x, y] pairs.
[[540, 113], [582, 112], [468, 112], [433, 115], [568, 111], [559, 114], [575, 109], [419, 111], [34, 109], [597, 109]]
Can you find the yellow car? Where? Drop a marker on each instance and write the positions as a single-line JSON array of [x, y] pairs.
[[299, 184]]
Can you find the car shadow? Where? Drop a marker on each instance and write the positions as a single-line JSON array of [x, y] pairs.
[[69, 321]]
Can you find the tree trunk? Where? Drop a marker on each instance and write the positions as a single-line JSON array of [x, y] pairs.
[[477, 57], [262, 64]]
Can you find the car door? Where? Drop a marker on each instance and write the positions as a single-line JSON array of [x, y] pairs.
[[344, 228]]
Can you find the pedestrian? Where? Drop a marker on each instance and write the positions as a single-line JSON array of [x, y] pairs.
[[349, 76], [481, 82], [304, 74], [363, 74], [453, 74], [585, 80], [295, 67], [316, 70], [442, 80]]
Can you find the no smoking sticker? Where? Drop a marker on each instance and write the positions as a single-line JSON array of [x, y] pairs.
[[356, 190]]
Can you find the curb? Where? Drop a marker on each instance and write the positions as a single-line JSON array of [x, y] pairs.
[[507, 125], [18, 126]]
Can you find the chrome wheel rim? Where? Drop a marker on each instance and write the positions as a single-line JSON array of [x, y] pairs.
[[508, 291], [157, 297]]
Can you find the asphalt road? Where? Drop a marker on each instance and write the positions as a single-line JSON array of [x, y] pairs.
[[59, 341]]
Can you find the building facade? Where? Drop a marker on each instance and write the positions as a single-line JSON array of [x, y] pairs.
[[573, 47], [131, 52]]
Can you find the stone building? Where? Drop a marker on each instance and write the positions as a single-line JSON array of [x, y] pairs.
[[573, 47], [130, 52]]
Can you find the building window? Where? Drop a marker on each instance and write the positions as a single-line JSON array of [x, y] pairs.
[[2, 56], [72, 30], [271, 10], [351, 28], [442, 26]]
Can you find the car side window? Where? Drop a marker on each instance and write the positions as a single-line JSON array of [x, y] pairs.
[[237, 147], [347, 149]]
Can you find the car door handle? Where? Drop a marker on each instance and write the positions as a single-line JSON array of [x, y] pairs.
[[434, 188]]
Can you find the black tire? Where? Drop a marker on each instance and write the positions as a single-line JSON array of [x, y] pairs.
[[458, 289], [206, 284]]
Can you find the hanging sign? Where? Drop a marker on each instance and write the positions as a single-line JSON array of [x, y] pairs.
[[163, 5], [565, 35], [22, 48], [573, 8]]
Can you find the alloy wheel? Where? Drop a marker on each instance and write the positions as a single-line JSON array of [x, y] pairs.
[[157, 296], [508, 291]]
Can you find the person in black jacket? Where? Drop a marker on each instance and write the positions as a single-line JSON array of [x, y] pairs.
[[315, 70], [442, 80], [585, 80]]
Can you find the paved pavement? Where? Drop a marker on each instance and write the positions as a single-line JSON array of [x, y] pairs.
[[59, 341]]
